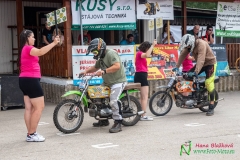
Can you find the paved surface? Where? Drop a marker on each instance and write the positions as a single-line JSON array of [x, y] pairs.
[[160, 139]]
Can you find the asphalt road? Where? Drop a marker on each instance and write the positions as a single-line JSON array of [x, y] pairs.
[[214, 138]]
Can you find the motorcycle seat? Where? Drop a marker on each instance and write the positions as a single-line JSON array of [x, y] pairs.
[[216, 80], [132, 86]]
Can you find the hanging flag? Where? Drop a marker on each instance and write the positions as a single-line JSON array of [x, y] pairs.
[[61, 16]]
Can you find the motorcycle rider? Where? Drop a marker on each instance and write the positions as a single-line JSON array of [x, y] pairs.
[[206, 62], [112, 72]]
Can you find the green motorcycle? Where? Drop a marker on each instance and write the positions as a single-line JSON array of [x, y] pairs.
[[68, 114]]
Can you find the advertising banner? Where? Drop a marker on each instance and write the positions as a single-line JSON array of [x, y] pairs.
[[219, 51], [160, 64], [155, 9], [163, 59], [81, 62], [228, 19], [104, 15]]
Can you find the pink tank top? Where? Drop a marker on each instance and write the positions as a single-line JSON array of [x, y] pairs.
[[187, 64], [140, 63], [29, 64]]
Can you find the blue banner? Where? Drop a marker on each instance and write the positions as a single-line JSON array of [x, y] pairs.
[[219, 50]]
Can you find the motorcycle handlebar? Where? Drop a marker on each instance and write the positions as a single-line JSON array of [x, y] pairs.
[[181, 74], [82, 75]]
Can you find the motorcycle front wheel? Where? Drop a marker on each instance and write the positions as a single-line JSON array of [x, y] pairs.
[[205, 93], [158, 101], [131, 109], [66, 118]]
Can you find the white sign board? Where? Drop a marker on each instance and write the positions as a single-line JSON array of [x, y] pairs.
[[155, 9], [104, 14], [228, 20]]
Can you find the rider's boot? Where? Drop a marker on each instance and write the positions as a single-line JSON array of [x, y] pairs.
[[117, 126], [101, 123], [210, 111]]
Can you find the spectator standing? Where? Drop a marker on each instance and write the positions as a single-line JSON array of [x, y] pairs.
[[194, 31], [145, 50], [47, 34], [86, 38], [165, 35], [29, 82], [128, 41], [209, 36]]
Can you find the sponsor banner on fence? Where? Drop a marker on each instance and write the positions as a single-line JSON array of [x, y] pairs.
[[228, 19], [155, 9], [163, 59], [81, 62], [104, 15], [219, 50]]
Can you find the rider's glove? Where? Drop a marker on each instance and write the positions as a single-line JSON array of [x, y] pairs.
[[191, 74], [175, 69]]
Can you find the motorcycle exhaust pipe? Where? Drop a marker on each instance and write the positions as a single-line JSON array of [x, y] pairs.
[[206, 104], [127, 115]]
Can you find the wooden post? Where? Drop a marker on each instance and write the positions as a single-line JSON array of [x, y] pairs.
[[184, 17], [112, 37], [19, 11], [168, 33], [68, 40]]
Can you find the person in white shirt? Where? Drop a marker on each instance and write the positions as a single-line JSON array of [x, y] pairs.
[[165, 35]]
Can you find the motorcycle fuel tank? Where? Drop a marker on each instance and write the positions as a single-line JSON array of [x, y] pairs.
[[184, 86], [98, 91]]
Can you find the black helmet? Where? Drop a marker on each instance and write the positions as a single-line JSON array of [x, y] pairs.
[[97, 46]]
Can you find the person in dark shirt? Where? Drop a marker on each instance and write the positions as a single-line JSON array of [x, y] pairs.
[[194, 31], [86, 38], [47, 34], [209, 37]]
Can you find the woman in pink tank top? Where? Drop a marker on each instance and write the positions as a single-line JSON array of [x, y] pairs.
[[29, 82], [145, 50], [187, 63]]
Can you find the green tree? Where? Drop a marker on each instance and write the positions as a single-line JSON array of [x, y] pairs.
[[199, 5]]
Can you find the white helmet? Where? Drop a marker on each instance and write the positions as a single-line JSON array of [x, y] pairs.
[[187, 40]]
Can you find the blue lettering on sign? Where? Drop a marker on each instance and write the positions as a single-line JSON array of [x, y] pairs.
[[99, 81], [91, 82]]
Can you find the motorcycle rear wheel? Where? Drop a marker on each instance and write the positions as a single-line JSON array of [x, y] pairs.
[[205, 109], [160, 103], [67, 125], [135, 107]]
